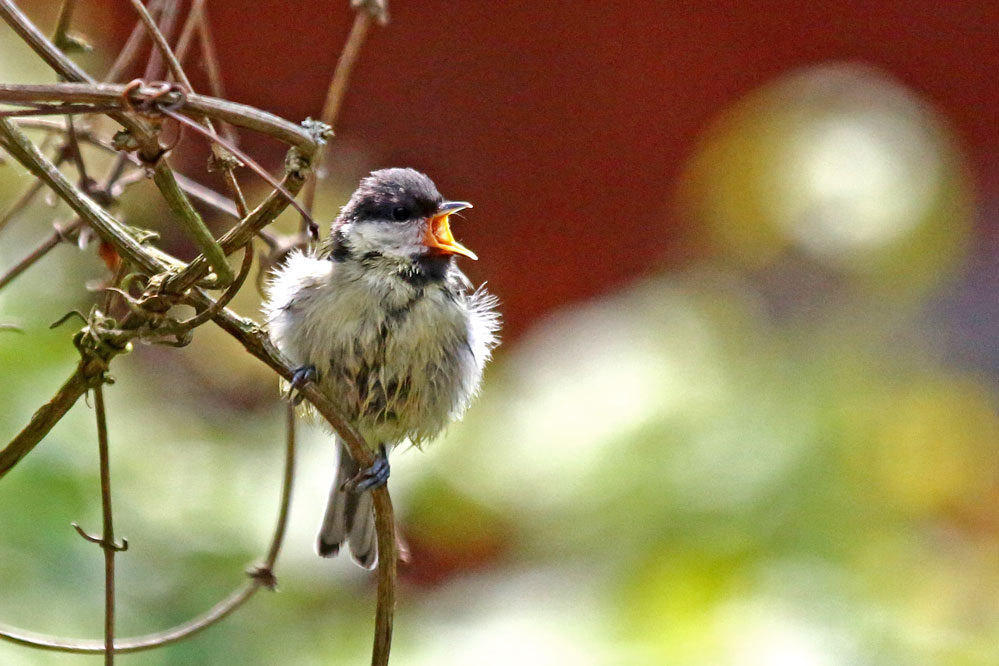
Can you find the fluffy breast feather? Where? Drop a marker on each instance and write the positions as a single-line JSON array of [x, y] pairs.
[[401, 361]]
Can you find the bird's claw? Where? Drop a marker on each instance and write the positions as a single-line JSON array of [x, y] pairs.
[[302, 376], [372, 477]]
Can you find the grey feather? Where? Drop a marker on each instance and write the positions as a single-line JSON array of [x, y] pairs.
[[349, 517], [396, 336]]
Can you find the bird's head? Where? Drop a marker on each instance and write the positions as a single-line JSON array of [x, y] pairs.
[[397, 216]]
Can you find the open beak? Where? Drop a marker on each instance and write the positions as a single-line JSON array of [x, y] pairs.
[[438, 234]]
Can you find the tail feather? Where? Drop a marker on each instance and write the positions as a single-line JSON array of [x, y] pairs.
[[349, 517]]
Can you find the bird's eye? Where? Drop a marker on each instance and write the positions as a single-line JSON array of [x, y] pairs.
[[400, 213]]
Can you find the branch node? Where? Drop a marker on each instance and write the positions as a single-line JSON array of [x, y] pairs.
[[82, 533], [223, 160], [263, 575], [377, 8], [109, 545], [73, 43], [124, 141], [66, 317]]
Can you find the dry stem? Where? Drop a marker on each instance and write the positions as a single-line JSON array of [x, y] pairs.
[[169, 279]]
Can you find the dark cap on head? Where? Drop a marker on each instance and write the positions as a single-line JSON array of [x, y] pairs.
[[393, 194]]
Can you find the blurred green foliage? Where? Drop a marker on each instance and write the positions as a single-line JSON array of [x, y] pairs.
[[759, 462]]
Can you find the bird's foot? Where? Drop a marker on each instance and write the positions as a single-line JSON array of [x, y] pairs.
[[301, 377], [372, 477]]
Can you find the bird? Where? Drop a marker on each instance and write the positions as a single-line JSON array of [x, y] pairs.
[[381, 318]]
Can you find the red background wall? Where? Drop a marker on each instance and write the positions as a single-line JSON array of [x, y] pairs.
[[567, 123]]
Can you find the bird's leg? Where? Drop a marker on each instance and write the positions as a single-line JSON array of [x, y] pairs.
[[375, 476], [302, 376]]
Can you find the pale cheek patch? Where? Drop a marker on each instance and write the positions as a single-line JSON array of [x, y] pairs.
[[398, 239]]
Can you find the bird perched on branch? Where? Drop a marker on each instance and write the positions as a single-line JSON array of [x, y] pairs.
[[382, 319]]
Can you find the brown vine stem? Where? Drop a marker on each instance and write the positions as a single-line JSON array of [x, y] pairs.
[[335, 94], [54, 239], [61, 32], [196, 105], [260, 576], [168, 19], [259, 170], [163, 175], [132, 45], [187, 33], [265, 213], [388, 561], [193, 188], [69, 70], [107, 535], [221, 157], [21, 202], [160, 42], [88, 373], [209, 57], [254, 340], [286, 485], [306, 141], [191, 222]]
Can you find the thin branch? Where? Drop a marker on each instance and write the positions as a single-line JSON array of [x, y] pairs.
[[335, 94], [31, 158], [260, 576], [259, 170], [89, 372], [187, 31], [262, 215], [208, 196], [191, 221], [74, 149], [192, 187], [388, 560], [61, 32], [70, 71], [214, 615], [168, 19], [21, 202], [54, 239], [211, 59], [345, 67], [286, 485], [107, 533], [57, 110], [132, 45], [207, 313], [197, 22], [162, 49], [194, 105], [178, 201]]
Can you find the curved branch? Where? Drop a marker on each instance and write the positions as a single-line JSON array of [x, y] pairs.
[[55, 238], [256, 341], [107, 533], [88, 373], [195, 106], [70, 71], [336, 92], [260, 576], [147, 642]]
